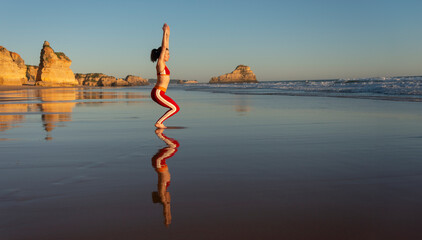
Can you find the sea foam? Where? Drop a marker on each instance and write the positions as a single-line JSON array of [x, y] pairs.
[[407, 88]]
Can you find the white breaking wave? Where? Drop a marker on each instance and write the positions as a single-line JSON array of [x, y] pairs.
[[408, 88]]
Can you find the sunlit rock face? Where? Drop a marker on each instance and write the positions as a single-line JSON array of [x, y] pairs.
[[12, 68], [187, 81], [92, 79], [242, 74], [136, 81], [31, 73], [120, 83], [54, 68], [107, 81], [100, 79]]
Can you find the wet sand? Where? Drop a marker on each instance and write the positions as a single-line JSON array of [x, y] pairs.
[[88, 164]]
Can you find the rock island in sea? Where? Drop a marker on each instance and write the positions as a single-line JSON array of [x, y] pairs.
[[242, 74]]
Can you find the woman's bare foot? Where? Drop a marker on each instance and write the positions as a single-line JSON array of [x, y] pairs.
[[159, 130], [160, 125]]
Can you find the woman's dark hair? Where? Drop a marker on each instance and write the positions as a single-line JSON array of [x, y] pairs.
[[155, 54]]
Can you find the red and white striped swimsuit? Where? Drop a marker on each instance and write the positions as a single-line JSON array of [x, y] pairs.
[[158, 94]]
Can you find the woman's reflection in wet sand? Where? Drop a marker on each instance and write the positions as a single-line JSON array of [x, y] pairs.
[[160, 166]]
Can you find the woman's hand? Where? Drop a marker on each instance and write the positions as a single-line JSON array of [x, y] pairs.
[[166, 28]]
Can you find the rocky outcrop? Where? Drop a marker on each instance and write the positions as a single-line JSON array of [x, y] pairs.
[[102, 80], [120, 83], [242, 74], [12, 68], [136, 81], [106, 81], [187, 82], [31, 73], [54, 69], [92, 79]]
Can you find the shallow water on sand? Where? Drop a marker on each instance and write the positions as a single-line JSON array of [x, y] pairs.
[[88, 164]]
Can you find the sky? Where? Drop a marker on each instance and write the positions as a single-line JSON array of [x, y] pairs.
[[279, 40]]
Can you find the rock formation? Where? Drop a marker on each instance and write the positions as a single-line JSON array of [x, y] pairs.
[[91, 79], [106, 81], [102, 80], [12, 68], [54, 68], [120, 83], [187, 82], [136, 81], [242, 74], [31, 73]]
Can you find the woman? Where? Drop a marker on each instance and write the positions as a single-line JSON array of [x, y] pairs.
[[158, 93]]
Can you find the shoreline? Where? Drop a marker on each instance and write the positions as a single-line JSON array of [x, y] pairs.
[[12, 88]]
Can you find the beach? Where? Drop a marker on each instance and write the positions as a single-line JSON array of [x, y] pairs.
[[87, 163]]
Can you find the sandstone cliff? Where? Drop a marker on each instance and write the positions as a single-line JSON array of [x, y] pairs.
[[242, 74], [92, 79], [136, 81], [102, 80], [54, 68], [120, 83], [106, 81], [31, 73], [12, 68]]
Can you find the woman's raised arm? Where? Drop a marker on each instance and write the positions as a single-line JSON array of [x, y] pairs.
[[165, 43]]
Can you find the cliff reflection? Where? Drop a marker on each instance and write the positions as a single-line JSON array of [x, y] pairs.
[[54, 104], [11, 111], [241, 105], [56, 107], [158, 161]]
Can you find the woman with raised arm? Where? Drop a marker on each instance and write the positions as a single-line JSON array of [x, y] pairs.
[[158, 93]]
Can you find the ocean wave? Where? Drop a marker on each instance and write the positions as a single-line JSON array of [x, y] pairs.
[[407, 88]]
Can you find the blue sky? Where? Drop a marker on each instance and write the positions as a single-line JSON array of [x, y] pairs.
[[279, 40]]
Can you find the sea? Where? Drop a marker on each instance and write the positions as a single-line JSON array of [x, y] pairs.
[[404, 88]]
